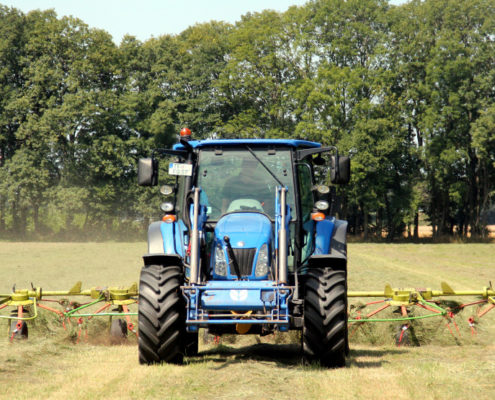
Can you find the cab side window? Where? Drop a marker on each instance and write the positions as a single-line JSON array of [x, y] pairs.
[[305, 185]]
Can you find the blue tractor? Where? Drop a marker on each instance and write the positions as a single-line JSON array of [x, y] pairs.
[[247, 245]]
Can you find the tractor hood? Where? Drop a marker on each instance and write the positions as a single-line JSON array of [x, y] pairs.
[[245, 229]]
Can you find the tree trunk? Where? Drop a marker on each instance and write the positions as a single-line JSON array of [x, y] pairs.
[[2, 215], [36, 210], [365, 224], [15, 217], [416, 225], [23, 222], [379, 223]]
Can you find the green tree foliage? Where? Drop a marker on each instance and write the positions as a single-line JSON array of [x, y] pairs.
[[256, 82], [407, 91], [444, 55]]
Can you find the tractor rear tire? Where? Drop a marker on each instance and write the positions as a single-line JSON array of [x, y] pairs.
[[325, 318], [161, 315]]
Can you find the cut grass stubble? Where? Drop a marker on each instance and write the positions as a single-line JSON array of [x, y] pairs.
[[49, 364]]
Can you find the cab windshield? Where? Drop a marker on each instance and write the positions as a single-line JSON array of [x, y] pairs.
[[234, 180]]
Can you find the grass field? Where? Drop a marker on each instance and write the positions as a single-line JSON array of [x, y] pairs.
[[50, 365]]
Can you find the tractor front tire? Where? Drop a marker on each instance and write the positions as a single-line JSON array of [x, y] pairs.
[[161, 315], [325, 317]]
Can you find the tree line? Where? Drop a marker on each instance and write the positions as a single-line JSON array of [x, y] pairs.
[[408, 91]]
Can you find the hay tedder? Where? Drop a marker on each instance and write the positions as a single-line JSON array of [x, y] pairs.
[[247, 244], [70, 307]]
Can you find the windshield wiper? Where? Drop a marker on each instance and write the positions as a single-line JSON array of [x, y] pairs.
[[264, 166]]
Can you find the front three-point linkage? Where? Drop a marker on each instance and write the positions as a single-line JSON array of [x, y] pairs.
[[25, 304], [404, 299]]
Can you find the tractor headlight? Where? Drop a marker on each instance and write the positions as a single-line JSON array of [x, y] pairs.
[[166, 190], [322, 205], [220, 261], [262, 262], [322, 189], [167, 207]]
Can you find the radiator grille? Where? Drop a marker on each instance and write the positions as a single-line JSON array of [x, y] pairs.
[[245, 258]]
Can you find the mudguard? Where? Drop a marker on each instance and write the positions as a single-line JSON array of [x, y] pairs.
[[330, 244], [323, 236], [165, 242]]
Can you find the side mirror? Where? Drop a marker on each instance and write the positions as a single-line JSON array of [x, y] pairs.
[[340, 172], [147, 172]]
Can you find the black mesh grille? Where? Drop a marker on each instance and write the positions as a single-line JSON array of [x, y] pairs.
[[245, 258]]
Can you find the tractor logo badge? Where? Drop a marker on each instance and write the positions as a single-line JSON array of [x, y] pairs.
[[238, 295], [240, 244]]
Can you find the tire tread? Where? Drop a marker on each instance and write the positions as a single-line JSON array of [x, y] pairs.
[[325, 317], [161, 315]]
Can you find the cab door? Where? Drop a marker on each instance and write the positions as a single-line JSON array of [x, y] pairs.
[[305, 183]]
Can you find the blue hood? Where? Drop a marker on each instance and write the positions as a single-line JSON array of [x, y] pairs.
[[245, 229]]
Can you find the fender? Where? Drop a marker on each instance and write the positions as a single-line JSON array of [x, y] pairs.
[[165, 241], [331, 244]]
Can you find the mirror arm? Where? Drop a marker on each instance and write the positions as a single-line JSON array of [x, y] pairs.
[[301, 154], [170, 152], [186, 144], [337, 164]]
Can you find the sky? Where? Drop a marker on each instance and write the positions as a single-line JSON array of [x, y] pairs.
[[152, 18], [146, 18]]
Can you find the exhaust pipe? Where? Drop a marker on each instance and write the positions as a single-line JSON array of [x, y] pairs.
[[195, 241], [282, 239]]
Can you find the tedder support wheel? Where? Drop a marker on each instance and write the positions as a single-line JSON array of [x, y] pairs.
[[325, 317], [16, 332], [118, 329], [161, 315]]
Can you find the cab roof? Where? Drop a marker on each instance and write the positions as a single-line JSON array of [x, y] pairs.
[[295, 143]]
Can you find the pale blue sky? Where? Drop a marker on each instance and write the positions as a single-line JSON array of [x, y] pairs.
[[147, 18]]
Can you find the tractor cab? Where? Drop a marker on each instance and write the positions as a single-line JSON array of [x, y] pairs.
[[246, 224], [239, 187]]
